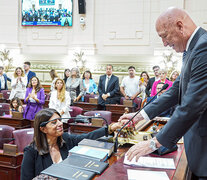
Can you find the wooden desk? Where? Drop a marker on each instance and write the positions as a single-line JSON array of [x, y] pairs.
[[2, 100], [10, 166], [79, 128], [118, 110], [16, 123], [86, 106], [117, 170]]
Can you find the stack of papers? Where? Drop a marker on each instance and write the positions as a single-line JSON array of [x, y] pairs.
[[153, 162], [146, 175]]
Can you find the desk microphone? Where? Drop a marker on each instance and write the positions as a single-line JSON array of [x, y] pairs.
[[165, 86], [83, 119]]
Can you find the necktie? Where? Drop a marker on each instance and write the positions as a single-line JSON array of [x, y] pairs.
[[181, 75], [184, 55], [107, 82]]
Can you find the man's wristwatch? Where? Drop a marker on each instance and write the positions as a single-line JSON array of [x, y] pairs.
[[153, 145]]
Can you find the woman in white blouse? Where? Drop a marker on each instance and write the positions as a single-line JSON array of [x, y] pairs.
[[60, 99], [18, 84]]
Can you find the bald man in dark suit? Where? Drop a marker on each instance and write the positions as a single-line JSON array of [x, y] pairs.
[[189, 93]]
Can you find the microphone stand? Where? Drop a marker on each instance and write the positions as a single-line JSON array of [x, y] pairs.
[[116, 139]]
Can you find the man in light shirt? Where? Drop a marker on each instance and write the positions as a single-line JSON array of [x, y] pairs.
[[189, 93], [130, 85]]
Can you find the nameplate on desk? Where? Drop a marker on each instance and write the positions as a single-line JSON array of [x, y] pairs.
[[97, 122], [128, 103], [17, 115], [10, 149], [93, 100]]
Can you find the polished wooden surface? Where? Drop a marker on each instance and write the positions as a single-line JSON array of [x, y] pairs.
[[16, 123], [117, 170], [86, 106], [10, 166], [78, 128]]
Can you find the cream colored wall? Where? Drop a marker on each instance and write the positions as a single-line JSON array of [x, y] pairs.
[[119, 32]]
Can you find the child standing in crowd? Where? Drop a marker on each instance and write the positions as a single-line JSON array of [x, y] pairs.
[[16, 105]]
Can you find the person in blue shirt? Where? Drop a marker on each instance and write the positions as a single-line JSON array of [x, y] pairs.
[[89, 84], [3, 79], [27, 72]]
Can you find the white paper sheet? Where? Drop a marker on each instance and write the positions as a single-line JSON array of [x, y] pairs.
[[153, 162], [146, 175]]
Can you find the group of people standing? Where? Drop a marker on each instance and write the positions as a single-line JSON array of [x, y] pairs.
[[72, 88]]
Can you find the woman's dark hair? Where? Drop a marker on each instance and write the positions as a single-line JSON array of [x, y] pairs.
[[144, 72], [89, 73], [40, 139], [19, 102], [38, 87], [65, 77]]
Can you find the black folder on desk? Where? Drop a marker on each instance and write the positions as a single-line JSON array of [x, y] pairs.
[[63, 172], [88, 164]]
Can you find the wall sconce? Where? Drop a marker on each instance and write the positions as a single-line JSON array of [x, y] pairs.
[[82, 23]]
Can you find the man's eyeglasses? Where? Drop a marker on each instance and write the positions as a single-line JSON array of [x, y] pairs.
[[156, 70], [54, 121]]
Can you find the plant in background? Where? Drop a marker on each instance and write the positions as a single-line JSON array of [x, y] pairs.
[[170, 63], [80, 61], [6, 61]]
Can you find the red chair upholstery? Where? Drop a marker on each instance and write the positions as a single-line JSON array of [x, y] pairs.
[[6, 93], [75, 111], [138, 101], [5, 134], [105, 114], [23, 137], [4, 109]]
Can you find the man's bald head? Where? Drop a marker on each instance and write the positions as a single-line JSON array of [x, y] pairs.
[[175, 27]]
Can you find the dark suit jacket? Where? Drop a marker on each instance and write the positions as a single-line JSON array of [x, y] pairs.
[[166, 113], [149, 86], [30, 75], [5, 79], [33, 163], [112, 88], [190, 116]]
